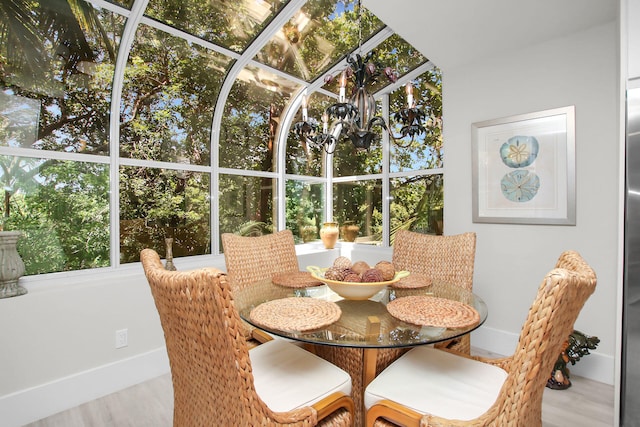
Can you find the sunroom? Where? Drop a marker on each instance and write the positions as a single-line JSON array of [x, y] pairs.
[[146, 122], [127, 123]]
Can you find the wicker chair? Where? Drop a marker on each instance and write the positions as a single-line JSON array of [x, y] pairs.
[[447, 258], [252, 259], [217, 380], [431, 387]]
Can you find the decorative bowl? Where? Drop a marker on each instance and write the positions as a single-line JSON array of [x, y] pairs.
[[353, 290]]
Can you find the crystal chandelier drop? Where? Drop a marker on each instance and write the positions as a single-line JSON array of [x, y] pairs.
[[355, 119]]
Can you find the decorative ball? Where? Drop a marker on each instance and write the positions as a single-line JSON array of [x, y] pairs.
[[388, 270], [342, 262], [348, 271], [360, 267], [335, 273], [372, 275], [352, 277]]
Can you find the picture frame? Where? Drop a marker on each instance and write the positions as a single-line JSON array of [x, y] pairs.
[[524, 168]]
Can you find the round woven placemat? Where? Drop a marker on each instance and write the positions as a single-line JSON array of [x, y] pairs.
[[413, 281], [295, 314], [426, 310], [295, 279]]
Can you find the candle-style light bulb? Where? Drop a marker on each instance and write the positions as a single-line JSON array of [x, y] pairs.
[[325, 122], [305, 115], [343, 86], [409, 89]]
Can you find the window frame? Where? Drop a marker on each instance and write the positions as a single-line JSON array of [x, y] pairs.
[[134, 17]]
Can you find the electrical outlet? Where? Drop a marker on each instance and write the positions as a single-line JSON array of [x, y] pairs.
[[121, 338]]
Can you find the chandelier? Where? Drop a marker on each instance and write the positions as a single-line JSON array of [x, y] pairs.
[[356, 118]]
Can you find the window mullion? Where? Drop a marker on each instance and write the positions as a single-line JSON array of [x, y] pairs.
[[128, 36]]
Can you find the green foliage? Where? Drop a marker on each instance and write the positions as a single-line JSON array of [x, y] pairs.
[[248, 127], [61, 56], [417, 204], [304, 208], [244, 200], [39, 246], [157, 203], [254, 228], [232, 24], [65, 218], [169, 94]]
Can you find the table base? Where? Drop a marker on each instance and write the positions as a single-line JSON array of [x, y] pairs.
[[363, 364]]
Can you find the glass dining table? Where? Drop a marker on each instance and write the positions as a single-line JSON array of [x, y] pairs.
[[356, 332]]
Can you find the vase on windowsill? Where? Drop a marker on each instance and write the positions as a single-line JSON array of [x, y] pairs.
[[11, 265], [308, 233], [350, 231], [169, 265], [329, 234]]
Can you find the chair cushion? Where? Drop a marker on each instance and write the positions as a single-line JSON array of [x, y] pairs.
[[287, 376], [432, 381]]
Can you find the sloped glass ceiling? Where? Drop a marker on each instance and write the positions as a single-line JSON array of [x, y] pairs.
[[156, 118], [232, 24], [316, 37], [179, 57]]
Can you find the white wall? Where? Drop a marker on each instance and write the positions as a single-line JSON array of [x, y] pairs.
[[511, 260], [57, 342]]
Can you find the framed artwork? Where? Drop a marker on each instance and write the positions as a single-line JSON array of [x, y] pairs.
[[524, 168]]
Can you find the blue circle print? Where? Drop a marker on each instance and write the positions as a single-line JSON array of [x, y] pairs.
[[519, 151], [520, 185]]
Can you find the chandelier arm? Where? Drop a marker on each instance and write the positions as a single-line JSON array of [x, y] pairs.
[[347, 126], [312, 143], [407, 131], [396, 140], [377, 121], [334, 145], [323, 140]]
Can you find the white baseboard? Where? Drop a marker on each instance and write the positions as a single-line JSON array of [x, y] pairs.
[[35, 403], [594, 366]]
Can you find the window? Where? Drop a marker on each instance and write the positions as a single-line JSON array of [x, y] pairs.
[[121, 127], [56, 86]]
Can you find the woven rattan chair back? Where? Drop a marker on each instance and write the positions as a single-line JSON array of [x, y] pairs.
[[209, 358], [447, 258], [572, 261], [210, 367], [561, 295], [251, 259]]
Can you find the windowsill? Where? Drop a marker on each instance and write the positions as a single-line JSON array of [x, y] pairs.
[[99, 276]]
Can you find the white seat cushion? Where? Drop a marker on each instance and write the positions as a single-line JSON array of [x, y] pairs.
[[435, 382], [287, 376]]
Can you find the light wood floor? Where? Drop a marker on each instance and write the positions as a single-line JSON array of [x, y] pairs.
[[586, 403]]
